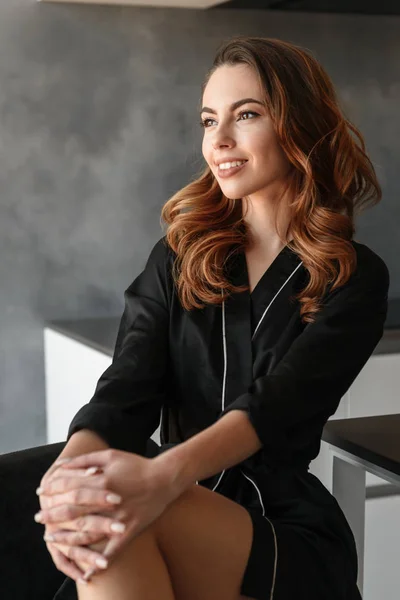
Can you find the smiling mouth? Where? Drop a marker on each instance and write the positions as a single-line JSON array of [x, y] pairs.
[[231, 171]]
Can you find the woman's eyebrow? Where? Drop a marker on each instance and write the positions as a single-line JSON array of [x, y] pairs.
[[234, 105]]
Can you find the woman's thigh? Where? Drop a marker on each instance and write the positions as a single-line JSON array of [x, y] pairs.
[[205, 539]]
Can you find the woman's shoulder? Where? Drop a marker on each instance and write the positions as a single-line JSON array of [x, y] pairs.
[[367, 284], [371, 268], [161, 258], [161, 252]]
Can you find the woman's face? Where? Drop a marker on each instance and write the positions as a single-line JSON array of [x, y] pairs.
[[241, 132]]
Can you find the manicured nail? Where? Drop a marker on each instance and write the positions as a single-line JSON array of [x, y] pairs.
[[91, 471], [48, 538], [82, 581], [38, 517], [118, 527], [102, 563], [39, 491], [113, 498]]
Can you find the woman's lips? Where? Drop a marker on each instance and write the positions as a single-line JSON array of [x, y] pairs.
[[232, 171]]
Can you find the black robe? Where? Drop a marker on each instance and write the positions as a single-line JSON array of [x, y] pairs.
[[251, 353]]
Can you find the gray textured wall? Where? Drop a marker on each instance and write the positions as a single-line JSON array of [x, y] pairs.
[[98, 127]]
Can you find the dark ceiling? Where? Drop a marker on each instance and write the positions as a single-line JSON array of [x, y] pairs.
[[365, 7]]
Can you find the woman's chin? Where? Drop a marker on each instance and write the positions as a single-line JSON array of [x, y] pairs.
[[234, 192]]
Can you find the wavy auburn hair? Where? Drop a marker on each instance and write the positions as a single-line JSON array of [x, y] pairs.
[[331, 179]]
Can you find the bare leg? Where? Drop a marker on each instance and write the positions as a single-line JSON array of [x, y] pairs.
[[139, 572], [196, 550]]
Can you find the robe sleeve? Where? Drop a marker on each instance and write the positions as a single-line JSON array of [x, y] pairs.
[[290, 405], [126, 406]]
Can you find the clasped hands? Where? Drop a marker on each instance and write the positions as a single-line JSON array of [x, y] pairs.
[[94, 504]]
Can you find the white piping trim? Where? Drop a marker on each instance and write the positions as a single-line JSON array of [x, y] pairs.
[[258, 492], [280, 289], [223, 405], [224, 378], [225, 352], [274, 534], [255, 485]]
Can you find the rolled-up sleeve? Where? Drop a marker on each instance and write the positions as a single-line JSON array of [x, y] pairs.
[[125, 409], [297, 397]]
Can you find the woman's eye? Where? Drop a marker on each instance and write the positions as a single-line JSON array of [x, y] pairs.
[[203, 122]]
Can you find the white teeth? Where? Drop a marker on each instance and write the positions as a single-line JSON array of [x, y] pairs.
[[229, 165]]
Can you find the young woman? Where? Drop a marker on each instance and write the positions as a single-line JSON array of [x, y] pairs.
[[251, 319]]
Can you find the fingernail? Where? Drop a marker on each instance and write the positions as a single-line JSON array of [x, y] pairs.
[[39, 491], [82, 581], [91, 471], [49, 538], [118, 527], [113, 498], [38, 517], [102, 563]]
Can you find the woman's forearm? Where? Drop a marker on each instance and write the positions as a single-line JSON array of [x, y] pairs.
[[227, 442], [83, 442]]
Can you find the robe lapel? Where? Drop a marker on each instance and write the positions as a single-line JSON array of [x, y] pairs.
[[279, 281], [238, 359], [283, 279]]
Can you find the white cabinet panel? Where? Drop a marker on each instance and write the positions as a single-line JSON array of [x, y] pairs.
[[376, 391], [382, 549], [72, 370]]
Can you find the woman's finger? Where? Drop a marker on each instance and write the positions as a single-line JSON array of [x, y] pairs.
[[72, 512], [108, 549], [89, 573], [92, 523], [66, 566], [59, 514], [83, 555], [113, 545], [53, 481], [49, 473], [97, 499], [75, 538], [100, 458]]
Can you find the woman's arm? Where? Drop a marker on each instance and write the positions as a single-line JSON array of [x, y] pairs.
[[210, 451], [304, 388], [82, 442], [126, 407]]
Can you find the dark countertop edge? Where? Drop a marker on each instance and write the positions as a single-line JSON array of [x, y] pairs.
[[331, 435], [65, 328], [389, 342]]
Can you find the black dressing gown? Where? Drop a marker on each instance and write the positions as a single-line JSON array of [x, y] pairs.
[[252, 353]]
